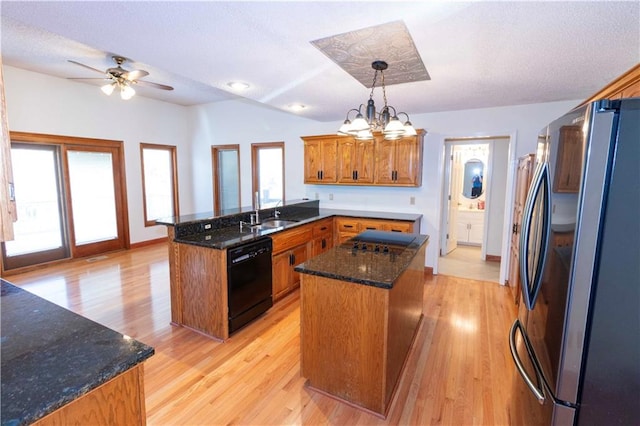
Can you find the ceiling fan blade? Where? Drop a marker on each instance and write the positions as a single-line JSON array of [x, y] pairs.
[[86, 66], [89, 79], [154, 85], [135, 74]]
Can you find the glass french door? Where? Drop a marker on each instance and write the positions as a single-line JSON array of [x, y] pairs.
[[70, 200], [40, 234], [92, 197]]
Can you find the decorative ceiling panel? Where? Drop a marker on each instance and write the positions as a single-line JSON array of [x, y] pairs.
[[354, 52]]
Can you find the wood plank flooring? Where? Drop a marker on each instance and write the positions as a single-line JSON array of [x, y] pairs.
[[458, 373]]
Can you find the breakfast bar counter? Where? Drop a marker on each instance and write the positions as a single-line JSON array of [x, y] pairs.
[[360, 309], [61, 368]]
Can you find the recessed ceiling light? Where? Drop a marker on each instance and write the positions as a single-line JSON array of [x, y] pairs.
[[238, 85], [296, 107]]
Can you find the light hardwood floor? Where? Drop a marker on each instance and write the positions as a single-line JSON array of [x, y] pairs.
[[466, 262], [458, 373]]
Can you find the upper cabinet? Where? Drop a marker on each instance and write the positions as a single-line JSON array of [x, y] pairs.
[[320, 159], [377, 162], [399, 162], [625, 86], [569, 161], [355, 161]]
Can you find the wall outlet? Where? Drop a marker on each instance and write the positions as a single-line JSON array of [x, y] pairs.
[[412, 201], [330, 196], [207, 226]]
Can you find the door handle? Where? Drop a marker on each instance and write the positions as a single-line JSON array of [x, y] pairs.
[[516, 358], [324, 243]]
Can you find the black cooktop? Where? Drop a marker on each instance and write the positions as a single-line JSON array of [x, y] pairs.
[[380, 241]]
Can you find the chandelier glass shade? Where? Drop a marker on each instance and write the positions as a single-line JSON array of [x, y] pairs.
[[126, 91], [368, 121]]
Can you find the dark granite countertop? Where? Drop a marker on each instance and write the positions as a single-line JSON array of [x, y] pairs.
[[51, 356], [231, 236], [363, 267]]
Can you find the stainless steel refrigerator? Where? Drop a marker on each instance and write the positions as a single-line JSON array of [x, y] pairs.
[[576, 341]]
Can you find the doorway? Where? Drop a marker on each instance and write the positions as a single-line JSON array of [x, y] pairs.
[[473, 207], [70, 197]]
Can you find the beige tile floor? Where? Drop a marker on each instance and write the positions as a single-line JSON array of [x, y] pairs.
[[466, 262]]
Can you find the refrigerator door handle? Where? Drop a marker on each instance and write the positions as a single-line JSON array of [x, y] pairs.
[[538, 393], [531, 281]]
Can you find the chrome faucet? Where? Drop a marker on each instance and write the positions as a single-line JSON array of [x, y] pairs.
[[277, 212], [242, 223]]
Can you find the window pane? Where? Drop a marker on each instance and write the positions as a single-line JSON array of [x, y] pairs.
[[92, 196], [37, 203], [229, 184], [158, 183], [270, 179]]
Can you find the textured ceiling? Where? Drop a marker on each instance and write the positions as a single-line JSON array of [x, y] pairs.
[[478, 54]]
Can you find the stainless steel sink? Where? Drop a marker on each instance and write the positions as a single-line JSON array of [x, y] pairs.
[[276, 223]]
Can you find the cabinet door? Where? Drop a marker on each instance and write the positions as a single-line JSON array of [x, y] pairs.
[[569, 161], [365, 156], [406, 157], [329, 160], [347, 161], [298, 256], [320, 160], [385, 161], [632, 91], [523, 179], [281, 274], [355, 161], [312, 161]]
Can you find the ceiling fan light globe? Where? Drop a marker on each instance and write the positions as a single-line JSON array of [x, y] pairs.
[[127, 92], [107, 89]]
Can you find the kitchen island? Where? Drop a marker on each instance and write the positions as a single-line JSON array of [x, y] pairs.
[[61, 368], [198, 247], [360, 309]]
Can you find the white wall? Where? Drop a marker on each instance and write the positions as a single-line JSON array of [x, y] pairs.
[[43, 104], [243, 122], [38, 103]]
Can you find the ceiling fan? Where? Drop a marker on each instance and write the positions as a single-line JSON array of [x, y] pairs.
[[118, 77]]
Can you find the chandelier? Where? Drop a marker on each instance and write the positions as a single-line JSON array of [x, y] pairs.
[[385, 121]]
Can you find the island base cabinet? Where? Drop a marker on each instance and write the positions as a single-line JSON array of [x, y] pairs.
[[355, 338], [118, 402]]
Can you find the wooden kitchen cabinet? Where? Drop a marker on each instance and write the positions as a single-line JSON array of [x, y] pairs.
[[569, 160], [355, 161], [399, 162], [290, 248], [8, 212], [524, 175], [322, 237], [359, 162], [625, 86], [285, 279], [349, 227], [320, 159]]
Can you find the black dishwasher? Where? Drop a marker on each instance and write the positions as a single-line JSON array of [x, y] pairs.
[[248, 281]]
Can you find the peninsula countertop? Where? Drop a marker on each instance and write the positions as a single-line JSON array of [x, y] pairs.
[[368, 267], [52, 356], [231, 235]]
